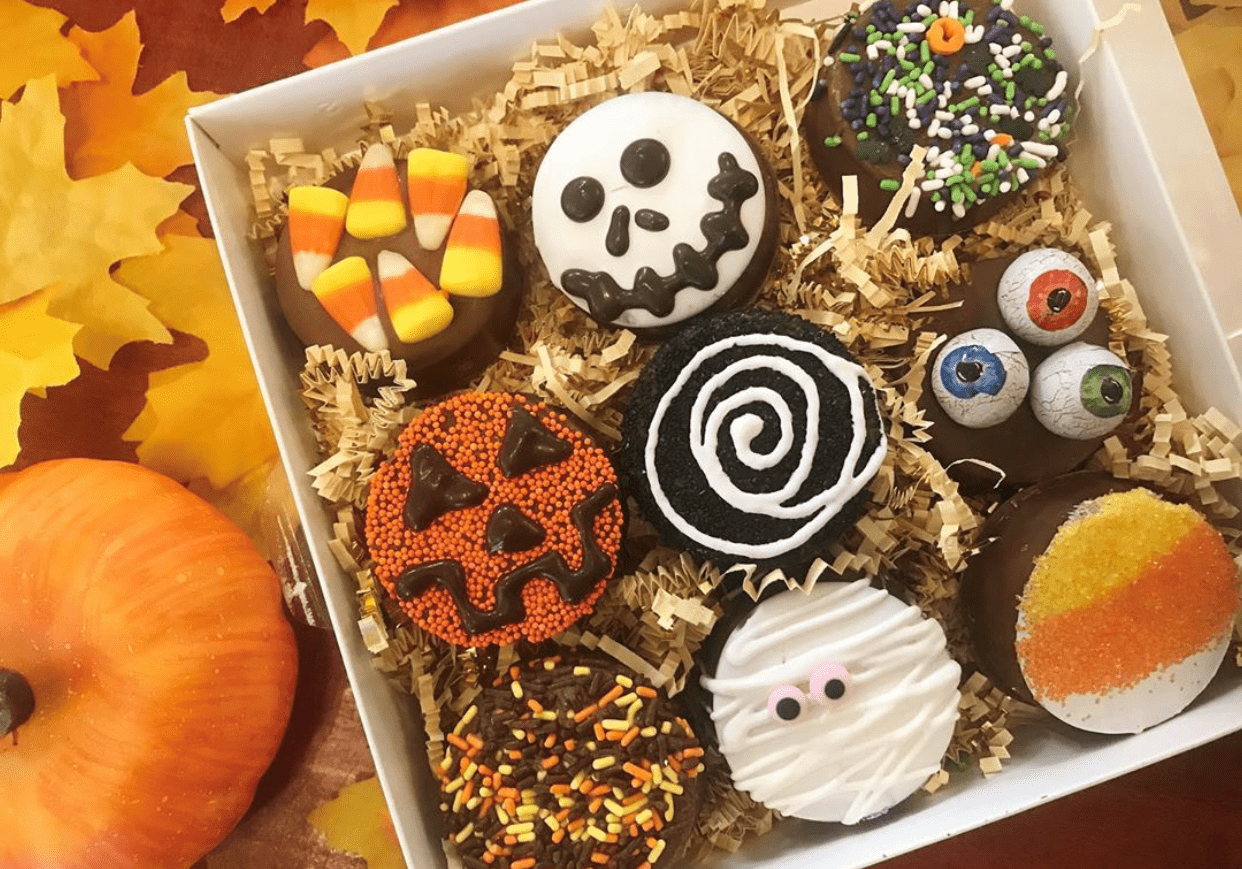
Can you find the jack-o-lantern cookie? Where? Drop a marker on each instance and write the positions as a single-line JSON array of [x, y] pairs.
[[1023, 389], [975, 84], [433, 282], [751, 438], [832, 705], [651, 208], [495, 520]]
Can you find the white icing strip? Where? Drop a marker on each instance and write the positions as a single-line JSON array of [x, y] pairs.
[[703, 439], [847, 760]]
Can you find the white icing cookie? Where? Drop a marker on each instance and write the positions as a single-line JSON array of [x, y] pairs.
[[870, 690], [648, 208]]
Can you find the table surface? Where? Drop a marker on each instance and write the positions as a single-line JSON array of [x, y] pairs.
[[1182, 812]]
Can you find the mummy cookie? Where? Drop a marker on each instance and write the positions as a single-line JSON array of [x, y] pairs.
[[495, 520], [974, 83], [834, 705], [1099, 601], [1022, 390], [406, 259], [651, 208], [750, 438]]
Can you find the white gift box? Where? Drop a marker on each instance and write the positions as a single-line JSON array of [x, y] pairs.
[[1142, 158]]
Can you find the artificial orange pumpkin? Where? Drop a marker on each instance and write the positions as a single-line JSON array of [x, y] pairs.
[[152, 637]]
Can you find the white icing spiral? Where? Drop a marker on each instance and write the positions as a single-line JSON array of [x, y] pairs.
[[712, 404], [849, 760]]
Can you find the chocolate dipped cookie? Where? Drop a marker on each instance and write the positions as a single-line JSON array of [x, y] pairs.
[[435, 283], [652, 208], [975, 84]]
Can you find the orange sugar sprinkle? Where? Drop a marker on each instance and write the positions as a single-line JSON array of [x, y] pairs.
[[562, 814], [558, 835], [598, 857], [535, 705], [632, 830], [571, 744], [600, 733], [549, 762], [508, 793], [633, 798], [673, 764], [474, 741], [594, 806], [637, 771], [629, 736], [612, 695], [550, 741], [612, 838], [586, 786], [577, 824], [488, 857], [561, 790], [586, 712], [693, 751], [524, 863], [600, 790], [510, 840], [515, 672], [457, 742], [644, 865], [615, 735], [647, 692]]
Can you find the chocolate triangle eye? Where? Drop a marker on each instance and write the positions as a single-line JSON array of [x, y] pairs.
[[528, 444], [436, 488], [511, 530]]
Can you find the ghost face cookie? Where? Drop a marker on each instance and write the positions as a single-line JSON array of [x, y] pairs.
[[651, 208], [834, 705]]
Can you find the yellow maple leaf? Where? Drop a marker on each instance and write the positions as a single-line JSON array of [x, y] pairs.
[[357, 823], [53, 228], [107, 126], [355, 21], [234, 9], [205, 420], [34, 47], [36, 351]]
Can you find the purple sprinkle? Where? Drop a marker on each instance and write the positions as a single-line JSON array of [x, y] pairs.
[[856, 124], [1008, 16], [860, 77], [997, 33], [1045, 42], [903, 159], [993, 13], [882, 130]]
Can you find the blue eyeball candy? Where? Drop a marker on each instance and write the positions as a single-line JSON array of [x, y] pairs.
[[980, 378]]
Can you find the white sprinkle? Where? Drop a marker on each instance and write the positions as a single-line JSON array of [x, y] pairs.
[[934, 127], [829, 60], [872, 52], [1023, 175], [952, 8], [912, 113], [911, 97], [1029, 117], [1017, 39], [969, 129], [944, 8], [925, 81], [913, 202], [974, 34], [882, 44], [1054, 116], [892, 88], [1005, 187], [985, 90], [946, 133], [940, 205], [942, 101], [944, 116], [1002, 62], [1007, 73], [1055, 131], [1043, 124], [915, 123], [967, 119], [932, 184], [1038, 149], [911, 27], [1011, 50], [1006, 5], [994, 149], [973, 83], [933, 154], [994, 48], [923, 9], [959, 210], [1057, 86]]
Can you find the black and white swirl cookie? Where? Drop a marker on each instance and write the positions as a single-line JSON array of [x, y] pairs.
[[651, 208], [751, 438]]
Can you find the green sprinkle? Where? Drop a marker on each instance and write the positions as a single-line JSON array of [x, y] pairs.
[[989, 189], [871, 119], [891, 51], [1049, 54], [875, 98], [1025, 21], [970, 193], [924, 51], [849, 57], [1026, 163], [969, 18], [1002, 157], [966, 104], [1036, 28], [906, 65], [985, 178], [929, 20], [875, 37], [862, 135], [871, 28], [894, 107], [968, 157], [930, 66], [998, 76], [1030, 101], [936, 197], [989, 165], [927, 97], [1036, 63], [1043, 136], [1027, 60], [1009, 90], [832, 141], [956, 194], [888, 79], [1026, 46], [890, 184], [954, 179], [931, 174]]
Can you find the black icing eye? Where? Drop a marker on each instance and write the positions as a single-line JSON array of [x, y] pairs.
[[582, 199], [786, 704], [645, 162]]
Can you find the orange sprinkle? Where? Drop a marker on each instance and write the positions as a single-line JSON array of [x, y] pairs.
[[550, 741], [561, 790], [558, 835], [524, 863], [549, 762], [946, 36], [612, 695], [474, 740], [600, 791], [637, 771], [585, 713], [457, 742], [633, 798], [488, 857], [510, 840], [1002, 139], [629, 736], [693, 751], [646, 691], [596, 857], [615, 736], [600, 733], [594, 806], [577, 824], [535, 705]]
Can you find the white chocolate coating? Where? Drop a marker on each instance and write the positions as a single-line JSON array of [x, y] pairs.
[[591, 146], [851, 759]]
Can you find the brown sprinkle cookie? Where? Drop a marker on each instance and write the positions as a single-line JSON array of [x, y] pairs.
[[562, 764]]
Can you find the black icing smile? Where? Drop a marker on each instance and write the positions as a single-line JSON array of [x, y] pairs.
[[656, 293]]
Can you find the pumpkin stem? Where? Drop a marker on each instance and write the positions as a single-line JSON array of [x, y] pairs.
[[16, 701]]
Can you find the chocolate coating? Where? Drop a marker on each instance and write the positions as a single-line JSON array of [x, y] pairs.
[[480, 329], [1014, 536], [528, 444], [1020, 446]]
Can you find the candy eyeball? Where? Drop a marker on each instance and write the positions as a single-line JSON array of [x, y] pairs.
[[1081, 392], [1047, 297], [980, 378], [786, 704], [830, 683]]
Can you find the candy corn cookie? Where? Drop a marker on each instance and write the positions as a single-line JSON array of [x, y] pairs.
[[400, 254]]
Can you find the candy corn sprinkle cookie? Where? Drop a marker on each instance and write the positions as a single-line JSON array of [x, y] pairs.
[[1099, 601], [570, 763], [401, 256]]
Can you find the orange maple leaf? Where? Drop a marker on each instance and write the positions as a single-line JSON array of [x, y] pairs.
[[353, 20], [234, 9], [34, 47], [106, 125]]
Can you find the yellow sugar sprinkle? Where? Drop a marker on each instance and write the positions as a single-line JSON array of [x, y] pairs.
[[654, 854], [565, 802], [526, 837], [470, 770], [672, 788], [527, 812], [597, 834], [615, 828], [502, 815], [474, 801], [615, 808], [625, 681], [643, 817], [552, 822], [615, 724], [465, 833], [455, 785], [517, 689], [582, 671], [603, 762], [647, 732], [519, 829], [627, 699], [466, 719]]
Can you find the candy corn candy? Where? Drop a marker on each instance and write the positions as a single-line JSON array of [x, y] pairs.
[[376, 208], [437, 183], [472, 263], [316, 220], [416, 309], [347, 293]]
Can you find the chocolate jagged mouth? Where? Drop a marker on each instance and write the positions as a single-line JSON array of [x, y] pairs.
[[656, 293]]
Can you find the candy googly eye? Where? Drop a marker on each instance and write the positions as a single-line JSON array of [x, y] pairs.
[[1081, 392], [786, 704], [829, 683], [1047, 297], [980, 378]]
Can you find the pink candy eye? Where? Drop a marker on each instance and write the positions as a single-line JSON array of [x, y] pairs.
[[786, 704], [829, 683]]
